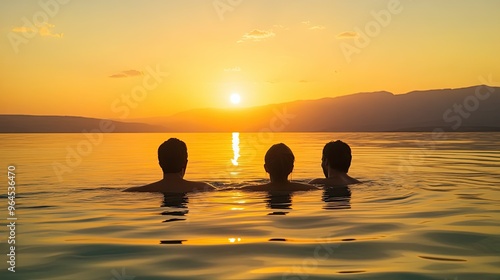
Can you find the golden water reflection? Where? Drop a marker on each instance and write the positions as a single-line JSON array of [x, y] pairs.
[[232, 239], [236, 148]]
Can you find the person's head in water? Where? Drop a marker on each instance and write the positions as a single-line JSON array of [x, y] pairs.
[[279, 162], [337, 156], [172, 156]]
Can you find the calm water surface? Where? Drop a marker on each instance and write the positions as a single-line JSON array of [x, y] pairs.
[[430, 209]]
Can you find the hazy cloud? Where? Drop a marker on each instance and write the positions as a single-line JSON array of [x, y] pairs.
[[317, 27], [347, 34], [313, 27], [257, 35], [44, 30], [23, 29], [279, 26], [118, 76], [127, 73]]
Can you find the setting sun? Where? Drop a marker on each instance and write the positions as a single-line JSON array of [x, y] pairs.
[[235, 98]]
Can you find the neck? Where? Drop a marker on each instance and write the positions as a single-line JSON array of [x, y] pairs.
[[333, 173], [173, 176], [278, 179]]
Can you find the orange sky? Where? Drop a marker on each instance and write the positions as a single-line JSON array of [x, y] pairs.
[[94, 58]]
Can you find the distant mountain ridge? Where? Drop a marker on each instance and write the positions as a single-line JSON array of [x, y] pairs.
[[68, 124], [369, 111], [474, 108]]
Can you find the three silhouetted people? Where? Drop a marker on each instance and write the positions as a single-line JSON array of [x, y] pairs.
[[278, 163]]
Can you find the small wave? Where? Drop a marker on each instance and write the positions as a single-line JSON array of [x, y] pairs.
[[351, 271], [173, 220], [4, 196], [470, 196], [395, 198], [37, 207], [278, 213], [442, 259], [98, 189], [278, 239], [172, 241], [174, 213]]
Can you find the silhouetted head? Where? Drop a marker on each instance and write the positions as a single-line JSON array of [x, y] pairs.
[[279, 161], [337, 156], [172, 156]]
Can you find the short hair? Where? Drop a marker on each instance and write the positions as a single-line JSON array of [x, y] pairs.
[[279, 160], [172, 155], [338, 155]]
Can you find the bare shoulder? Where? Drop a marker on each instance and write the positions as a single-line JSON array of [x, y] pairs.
[[350, 181], [280, 187], [338, 181], [173, 187], [356, 181], [317, 181], [132, 189], [200, 186], [146, 188], [303, 187]]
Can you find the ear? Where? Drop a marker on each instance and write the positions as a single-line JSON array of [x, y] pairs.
[[265, 168]]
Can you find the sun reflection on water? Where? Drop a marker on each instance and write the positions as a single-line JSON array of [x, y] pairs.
[[233, 240], [236, 148]]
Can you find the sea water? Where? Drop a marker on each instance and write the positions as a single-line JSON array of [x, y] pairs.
[[429, 209]]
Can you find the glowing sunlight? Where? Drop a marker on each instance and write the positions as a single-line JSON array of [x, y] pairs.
[[236, 148], [235, 98]]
